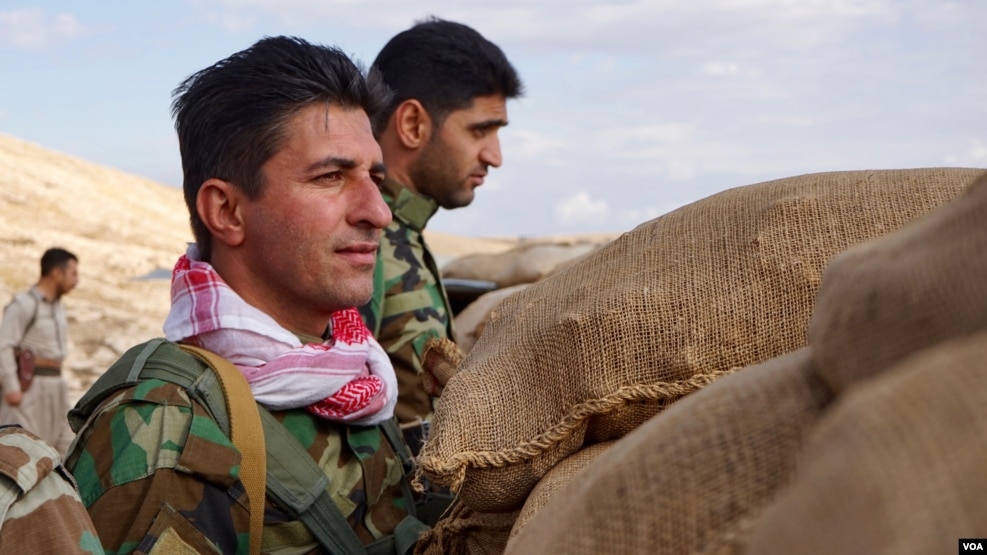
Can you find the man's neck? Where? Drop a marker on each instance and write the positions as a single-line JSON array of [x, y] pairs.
[[48, 289], [397, 159]]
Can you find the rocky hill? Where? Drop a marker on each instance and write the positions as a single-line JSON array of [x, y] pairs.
[[127, 231]]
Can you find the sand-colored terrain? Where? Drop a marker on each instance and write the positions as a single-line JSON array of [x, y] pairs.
[[123, 227]]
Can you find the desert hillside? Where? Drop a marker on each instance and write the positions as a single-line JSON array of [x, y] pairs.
[[123, 228]]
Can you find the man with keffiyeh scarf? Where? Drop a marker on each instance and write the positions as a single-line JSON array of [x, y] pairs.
[[281, 179]]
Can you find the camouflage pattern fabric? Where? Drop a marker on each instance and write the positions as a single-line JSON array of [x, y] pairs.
[[158, 475], [40, 510], [409, 305]]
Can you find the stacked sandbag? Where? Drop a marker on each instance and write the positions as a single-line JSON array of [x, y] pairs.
[[556, 479], [525, 263], [469, 324], [896, 467], [468, 532], [901, 331], [887, 299], [692, 479], [591, 352], [893, 464]]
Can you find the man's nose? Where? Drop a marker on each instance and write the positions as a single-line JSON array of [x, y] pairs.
[[371, 207], [490, 153]]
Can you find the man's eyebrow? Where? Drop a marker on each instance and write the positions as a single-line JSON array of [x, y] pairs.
[[345, 164], [489, 124], [334, 162]]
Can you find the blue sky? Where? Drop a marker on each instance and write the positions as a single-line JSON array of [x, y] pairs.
[[633, 108]]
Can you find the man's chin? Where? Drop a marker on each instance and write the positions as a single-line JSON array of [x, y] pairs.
[[459, 201]]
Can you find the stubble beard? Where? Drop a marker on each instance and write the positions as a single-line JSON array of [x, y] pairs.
[[435, 176]]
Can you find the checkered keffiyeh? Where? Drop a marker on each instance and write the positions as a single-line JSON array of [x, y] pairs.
[[348, 378]]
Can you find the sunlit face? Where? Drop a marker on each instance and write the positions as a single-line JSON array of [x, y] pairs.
[[66, 278], [459, 153], [311, 237]]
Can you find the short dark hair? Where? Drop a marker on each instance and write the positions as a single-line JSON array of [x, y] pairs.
[[444, 65], [55, 258], [231, 116]]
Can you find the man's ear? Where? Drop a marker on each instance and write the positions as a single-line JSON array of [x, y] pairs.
[[412, 124], [219, 205]]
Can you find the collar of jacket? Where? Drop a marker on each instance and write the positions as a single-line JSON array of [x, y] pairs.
[[413, 209]]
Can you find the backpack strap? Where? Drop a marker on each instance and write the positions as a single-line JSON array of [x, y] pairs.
[[34, 317], [155, 359], [302, 489], [246, 434]]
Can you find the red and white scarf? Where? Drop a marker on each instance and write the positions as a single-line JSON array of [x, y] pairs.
[[348, 378]]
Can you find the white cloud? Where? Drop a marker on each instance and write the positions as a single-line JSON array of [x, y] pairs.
[[976, 156], [720, 68], [231, 22], [34, 28], [784, 120], [636, 27], [636, 216], [580, 208], [532, 145]]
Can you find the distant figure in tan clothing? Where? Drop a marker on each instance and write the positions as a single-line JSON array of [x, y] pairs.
[[35, 320]]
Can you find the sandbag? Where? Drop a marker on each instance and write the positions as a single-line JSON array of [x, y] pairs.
[[556, 479], [896, 467], [884, 299], [693, 478], [525, 263], [599, 347], [467, 532], [469, 324]]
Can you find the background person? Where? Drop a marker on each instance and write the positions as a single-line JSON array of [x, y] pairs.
[[35, 320], [439, 137]]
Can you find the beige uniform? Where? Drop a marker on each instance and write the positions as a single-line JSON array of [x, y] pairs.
[[44, 407]]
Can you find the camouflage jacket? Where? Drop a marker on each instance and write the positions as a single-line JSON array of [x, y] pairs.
[[158, 474], [40, 510], [409, 305]]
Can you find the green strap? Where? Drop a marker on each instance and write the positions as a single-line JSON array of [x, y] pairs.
[[402, 542], [394, 436], [292, 477], [293, 490]]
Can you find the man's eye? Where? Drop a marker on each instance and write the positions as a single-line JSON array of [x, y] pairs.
[[332, 176]]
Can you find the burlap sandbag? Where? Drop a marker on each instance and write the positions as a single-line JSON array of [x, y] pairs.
[[603, 345], [469, 323], [896, 467], [525, 263], [467, 532], [557, 479], [885, 299], [692, 479]]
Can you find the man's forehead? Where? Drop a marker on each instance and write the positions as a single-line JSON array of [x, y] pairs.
[[482, 108]]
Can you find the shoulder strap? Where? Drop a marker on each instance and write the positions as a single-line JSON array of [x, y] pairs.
[[34, 316], [246, 434], [292, 476], [292, 483], [155, 359]]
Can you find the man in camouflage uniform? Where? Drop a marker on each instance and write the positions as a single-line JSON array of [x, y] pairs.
[[281, 179], [40, 510], [439, 138]]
